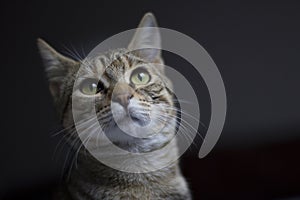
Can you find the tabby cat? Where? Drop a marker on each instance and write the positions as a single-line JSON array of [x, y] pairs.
[[129, 82]]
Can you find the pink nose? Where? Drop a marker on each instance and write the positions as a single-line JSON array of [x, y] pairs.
[[122, 94], [122, 99]]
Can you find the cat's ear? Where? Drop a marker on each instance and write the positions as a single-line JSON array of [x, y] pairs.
[[146, 42], [56, 65]]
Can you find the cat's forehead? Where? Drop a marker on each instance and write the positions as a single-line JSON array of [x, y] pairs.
[[113, 64]]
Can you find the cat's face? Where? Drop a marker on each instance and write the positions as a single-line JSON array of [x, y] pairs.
[[130, 93]]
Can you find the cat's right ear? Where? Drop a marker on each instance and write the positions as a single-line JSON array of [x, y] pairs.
[[146, 42], [56, 65]]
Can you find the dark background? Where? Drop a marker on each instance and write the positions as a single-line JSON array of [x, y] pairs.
[[256, 47]]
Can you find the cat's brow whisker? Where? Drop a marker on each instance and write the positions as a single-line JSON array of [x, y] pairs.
[[83, 52], [71, 53], [84, 62], [76, 52]]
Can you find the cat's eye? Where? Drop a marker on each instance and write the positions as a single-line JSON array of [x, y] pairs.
[[140, 77], [91, 87]]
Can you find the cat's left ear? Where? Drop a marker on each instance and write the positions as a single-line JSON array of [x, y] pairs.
[[57, 67], [146, 42]]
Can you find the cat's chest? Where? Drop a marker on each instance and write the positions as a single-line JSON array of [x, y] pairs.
[[134, 192]]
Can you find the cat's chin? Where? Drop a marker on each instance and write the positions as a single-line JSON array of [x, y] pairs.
[[135, 144], [128, 130], [139, 122]]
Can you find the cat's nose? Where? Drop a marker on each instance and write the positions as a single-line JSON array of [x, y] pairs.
[[122, 99], [122, 94]]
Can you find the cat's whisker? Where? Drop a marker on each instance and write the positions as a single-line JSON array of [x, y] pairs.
[[74, 142], [72, 126], [185, 132], [84, 62], [81, 144], [83, 52], [63, 139], [174, 107], [174, 101], [65, 165], [71, 53], [72, 159], [186, 114], [184, 121]]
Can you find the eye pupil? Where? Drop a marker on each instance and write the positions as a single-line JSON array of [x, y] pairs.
[[99, 86]]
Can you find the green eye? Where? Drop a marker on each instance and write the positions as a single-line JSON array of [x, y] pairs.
[[140, 77], [90, 87]]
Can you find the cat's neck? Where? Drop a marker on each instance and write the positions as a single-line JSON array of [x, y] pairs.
[[91, 170], [160, 165], [94, 179]]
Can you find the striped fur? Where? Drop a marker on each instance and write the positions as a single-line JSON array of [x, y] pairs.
[[153, 102]]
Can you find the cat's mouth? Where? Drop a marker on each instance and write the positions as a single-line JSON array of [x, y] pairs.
[[140, 119]]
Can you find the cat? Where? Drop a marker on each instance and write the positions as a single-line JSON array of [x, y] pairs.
[[127, 81]]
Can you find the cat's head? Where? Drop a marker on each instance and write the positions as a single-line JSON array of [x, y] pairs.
[[129, 90]]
